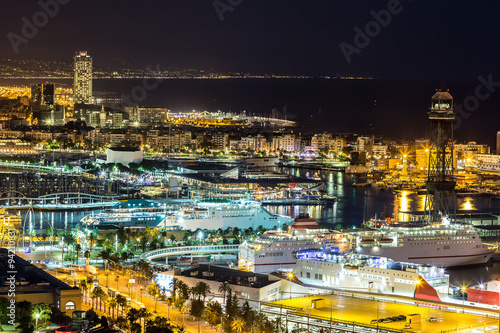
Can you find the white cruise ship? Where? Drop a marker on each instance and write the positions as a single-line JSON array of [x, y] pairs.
[[215, 213], [441, 245], [134, 214], [371, 274], [277, 250]]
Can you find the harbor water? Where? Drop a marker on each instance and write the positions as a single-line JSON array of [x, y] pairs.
[[354, 205]]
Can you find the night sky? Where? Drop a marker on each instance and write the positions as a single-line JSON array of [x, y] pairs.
[[424, 39], [410, 51]]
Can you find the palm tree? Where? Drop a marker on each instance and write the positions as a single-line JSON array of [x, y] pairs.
[[169, 301], [121, 301], [193, 291], [213, 313], [92, 238], [78, 248], [112, 304], [98, 293], [182, 310], [121, 322], [93, 295], [238, 325], [132, 316], [103, 297], [84, 286], [175, 287], [154, 290], [144, 314], [203, 289], [224, 288], [40, 312]]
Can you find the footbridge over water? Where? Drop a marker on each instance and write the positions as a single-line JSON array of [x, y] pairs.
[[186, 251], [58, 201]]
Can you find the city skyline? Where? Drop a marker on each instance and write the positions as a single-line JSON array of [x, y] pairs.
[[324, 38]]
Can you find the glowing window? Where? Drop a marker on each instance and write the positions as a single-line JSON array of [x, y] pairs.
[[70, 306]]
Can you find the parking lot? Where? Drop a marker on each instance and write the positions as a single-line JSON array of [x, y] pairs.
[[366, 315]]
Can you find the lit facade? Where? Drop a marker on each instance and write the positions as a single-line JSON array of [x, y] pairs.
[[82, 84]]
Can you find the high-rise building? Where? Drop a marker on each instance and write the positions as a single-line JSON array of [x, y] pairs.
[[42, 96], [150, 115], [82, 84], [43, 108], [498, 143]]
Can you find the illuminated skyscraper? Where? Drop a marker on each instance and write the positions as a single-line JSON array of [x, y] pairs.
[[498, 143], [82, 84]]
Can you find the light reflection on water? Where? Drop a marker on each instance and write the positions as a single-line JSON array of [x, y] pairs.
[[467, 204], [353, 205], [358, 203]]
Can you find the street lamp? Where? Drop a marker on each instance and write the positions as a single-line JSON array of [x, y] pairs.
[[141, 293], [289, 277], [378, 304], [107, 277], [331, 310], [37, 315], [62, 249], [464, 289]]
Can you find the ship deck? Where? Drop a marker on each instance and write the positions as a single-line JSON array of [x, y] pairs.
[[359, 259], [347, 311]]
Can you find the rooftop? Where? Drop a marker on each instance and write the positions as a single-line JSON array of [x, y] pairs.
[[28, 276], [131, 149], [231, 276]]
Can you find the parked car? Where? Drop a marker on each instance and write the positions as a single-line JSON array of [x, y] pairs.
[[433, 318]]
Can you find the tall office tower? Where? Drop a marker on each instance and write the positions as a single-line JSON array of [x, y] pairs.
[[42, 96], [82, 84], [440, 198], [498, 143]]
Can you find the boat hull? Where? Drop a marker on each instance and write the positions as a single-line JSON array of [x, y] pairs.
[[430, 257]]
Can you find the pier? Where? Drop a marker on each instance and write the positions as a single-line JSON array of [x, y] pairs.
[[59, 202], [298, 202]]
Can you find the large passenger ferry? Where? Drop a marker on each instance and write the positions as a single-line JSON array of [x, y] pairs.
[[275, 250], [443, 245], [371, 274], [204, 214], [220, 213]]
